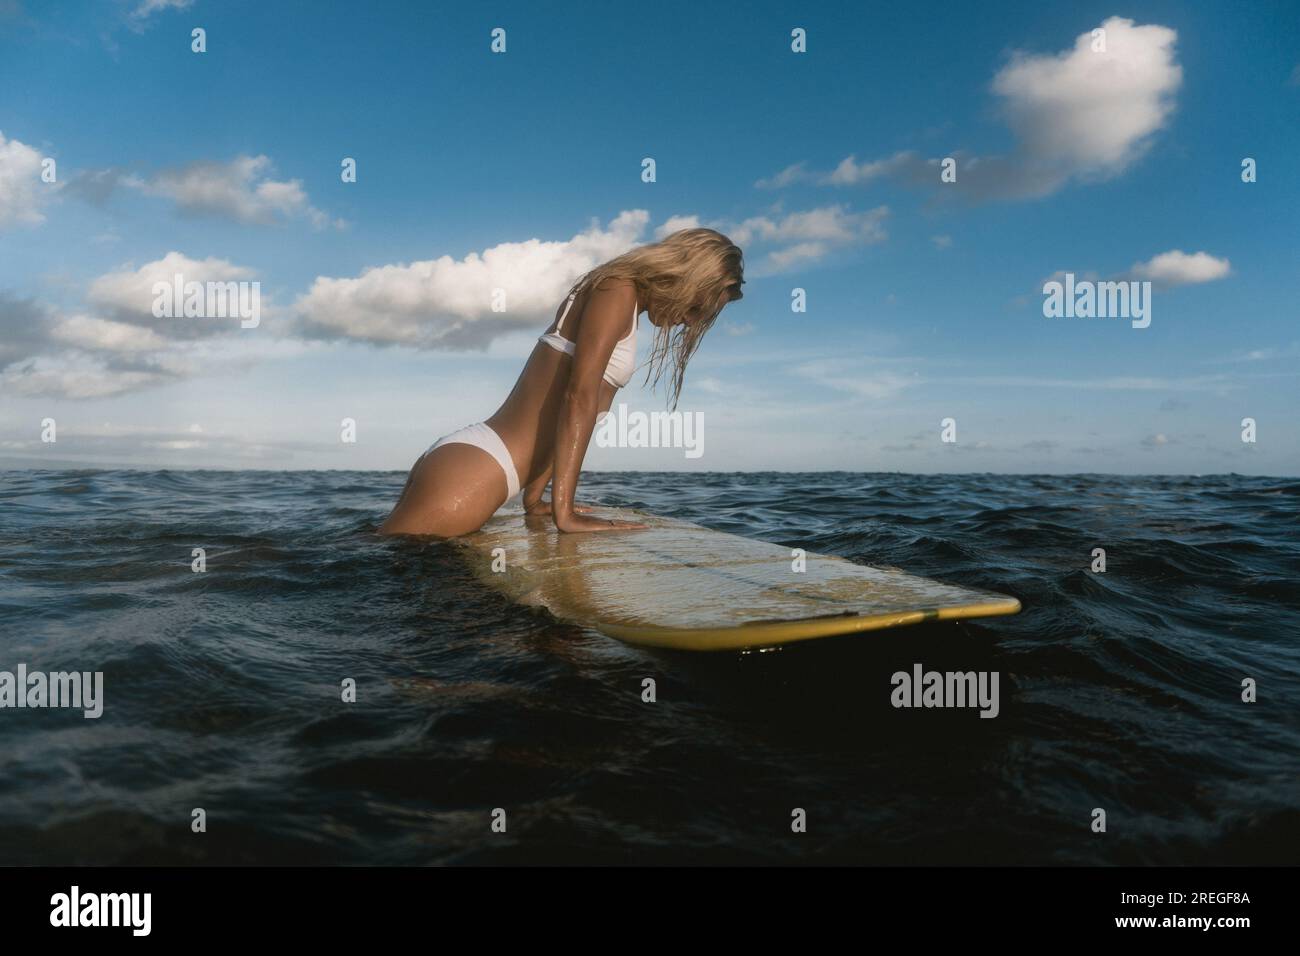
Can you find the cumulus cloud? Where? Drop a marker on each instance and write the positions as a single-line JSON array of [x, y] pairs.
[[804, 237], [828, 224], [241, 190], [1091, 113], [79, 356], [1078, 115], [447, 302], [117, 345], [21, 190], [127, 295], [1164, 271], [1176, 268], [89, 332]]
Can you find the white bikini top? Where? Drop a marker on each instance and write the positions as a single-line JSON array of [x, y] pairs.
[[622, 361]]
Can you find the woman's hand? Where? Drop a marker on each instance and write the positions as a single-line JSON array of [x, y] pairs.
[[544, 508], [575, 523]]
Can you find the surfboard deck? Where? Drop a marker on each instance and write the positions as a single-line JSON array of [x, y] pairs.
[[679, 585]]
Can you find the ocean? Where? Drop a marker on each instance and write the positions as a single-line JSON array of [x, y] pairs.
[[1120, 691]]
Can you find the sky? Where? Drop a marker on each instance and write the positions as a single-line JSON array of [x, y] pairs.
[[488, 180]]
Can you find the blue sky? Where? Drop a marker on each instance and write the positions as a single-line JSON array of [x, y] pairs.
[[520, 170]]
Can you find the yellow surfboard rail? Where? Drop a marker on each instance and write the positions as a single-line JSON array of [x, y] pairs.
[[774, 633]]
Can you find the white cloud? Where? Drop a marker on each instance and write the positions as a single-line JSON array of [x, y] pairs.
[[850, 172], [88, 332], [1166, 270], [827, 224], [21, 188], [44, 352], [73, 376], [674, 223], [788, 258], [147, 8], [806, 236], [1087, 113], [241, 190], [82, 356], [1078, 115], [1176, 267], [446, 302], [128, 294], [791, 174]]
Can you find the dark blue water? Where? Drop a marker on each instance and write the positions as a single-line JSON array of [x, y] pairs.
[[1119, 691]]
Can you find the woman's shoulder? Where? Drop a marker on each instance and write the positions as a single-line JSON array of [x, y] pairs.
[[617, 285]]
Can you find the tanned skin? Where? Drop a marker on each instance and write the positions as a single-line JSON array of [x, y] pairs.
[[546, 423]]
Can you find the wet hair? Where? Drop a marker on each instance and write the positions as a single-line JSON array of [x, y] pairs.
[[683, 273]]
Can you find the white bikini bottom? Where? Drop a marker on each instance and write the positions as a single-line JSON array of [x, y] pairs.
[[481, 436]]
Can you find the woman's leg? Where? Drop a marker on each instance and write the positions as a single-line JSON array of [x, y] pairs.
[[451, 491]]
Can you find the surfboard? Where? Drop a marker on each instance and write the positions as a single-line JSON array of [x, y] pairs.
[[679, 585]]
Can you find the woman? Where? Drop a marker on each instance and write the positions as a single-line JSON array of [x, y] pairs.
[[542, 430]]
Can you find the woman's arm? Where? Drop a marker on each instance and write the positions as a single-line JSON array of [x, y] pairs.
[[533, 503], [604, 322]]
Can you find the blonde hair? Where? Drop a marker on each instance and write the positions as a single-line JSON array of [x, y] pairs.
[[686, 271]]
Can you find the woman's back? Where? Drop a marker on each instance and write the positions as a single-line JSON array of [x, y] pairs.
[[526, 420]]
